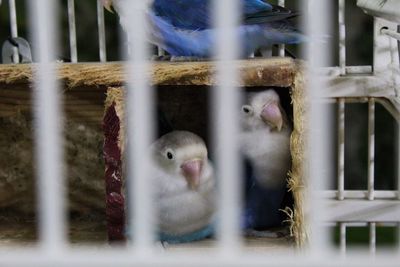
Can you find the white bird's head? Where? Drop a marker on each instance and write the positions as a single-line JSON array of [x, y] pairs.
[[263, 109], [182, 155]]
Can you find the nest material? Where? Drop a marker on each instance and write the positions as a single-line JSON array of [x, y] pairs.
[[84, 166], [297, 176]]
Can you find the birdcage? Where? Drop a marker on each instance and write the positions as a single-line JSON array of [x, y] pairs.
[[98, 108], [358, 208]]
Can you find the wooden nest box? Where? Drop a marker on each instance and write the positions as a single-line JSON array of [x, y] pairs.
[[182, 94], [93, 95]]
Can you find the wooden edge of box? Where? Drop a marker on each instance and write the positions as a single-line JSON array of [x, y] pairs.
[[113, 154], [298, 145], [256, 72]]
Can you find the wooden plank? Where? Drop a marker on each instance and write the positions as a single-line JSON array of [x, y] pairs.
[[258, 72]]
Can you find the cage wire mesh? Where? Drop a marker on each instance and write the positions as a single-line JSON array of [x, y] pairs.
[[353, 200]]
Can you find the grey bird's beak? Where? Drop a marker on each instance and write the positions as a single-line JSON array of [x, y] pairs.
[[272, 115], [191, 169]]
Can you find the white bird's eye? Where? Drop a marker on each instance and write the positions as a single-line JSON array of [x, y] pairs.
[[170, 154], [247, 109]]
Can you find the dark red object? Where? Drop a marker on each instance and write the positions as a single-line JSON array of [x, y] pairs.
[[115, 201]]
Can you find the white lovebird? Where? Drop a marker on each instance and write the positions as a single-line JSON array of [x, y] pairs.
[[265, 145], [265, 137], [185, 187]]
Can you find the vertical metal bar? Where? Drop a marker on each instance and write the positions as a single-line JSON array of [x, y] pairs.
[[342, 37], [225, 103], [48, 125], [14, 27], [72, 31], [319, 151], [341, 144], [371, 148], [160, 51], [140, 110], [398, 161], [342, 238], [398, 43], [398, 237], [281, 46], [372, 238], [102, 32]]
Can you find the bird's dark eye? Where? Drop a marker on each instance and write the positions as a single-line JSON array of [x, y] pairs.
[[170, 155], [246, 109]]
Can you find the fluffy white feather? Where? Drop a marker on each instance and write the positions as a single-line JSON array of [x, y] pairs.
[[184, 183], [265, 137]]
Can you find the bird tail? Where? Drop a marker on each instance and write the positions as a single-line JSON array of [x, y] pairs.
[[283, 32]]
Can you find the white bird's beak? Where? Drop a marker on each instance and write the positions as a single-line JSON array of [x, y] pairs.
[[191, 169], [272, 115], [108, 5]]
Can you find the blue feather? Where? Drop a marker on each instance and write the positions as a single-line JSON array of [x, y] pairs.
[[200, 43], [195, 14], [261, 204], [191, 237]]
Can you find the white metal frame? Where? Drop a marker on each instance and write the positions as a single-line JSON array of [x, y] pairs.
[[380, 81]]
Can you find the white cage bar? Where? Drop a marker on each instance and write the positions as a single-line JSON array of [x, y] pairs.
[[371, 148], [225, 100], [372, 238], [50, 176], [342, 234], [342, 37], [14, 27], [341, 144], [140, 111], [281, 46], [102, 32], [72, 31]]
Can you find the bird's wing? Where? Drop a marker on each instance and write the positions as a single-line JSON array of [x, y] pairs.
[[277, 13], [200, 43], [179, 42], [185, 14], [196, 14]]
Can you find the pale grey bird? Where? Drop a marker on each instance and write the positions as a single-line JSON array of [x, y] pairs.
[[185, 187], [21, 46], [265, 137], [265, 144]]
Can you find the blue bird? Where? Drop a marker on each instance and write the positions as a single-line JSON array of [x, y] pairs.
[[265, 144], [183, 28], [196, 15]]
